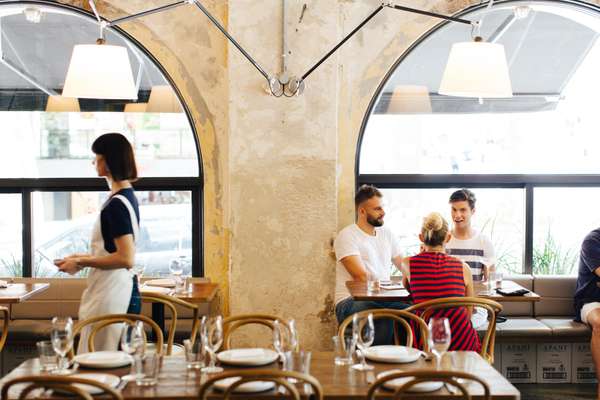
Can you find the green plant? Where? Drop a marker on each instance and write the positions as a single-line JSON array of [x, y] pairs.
[[552, 259], [12, 266], [504, 247]]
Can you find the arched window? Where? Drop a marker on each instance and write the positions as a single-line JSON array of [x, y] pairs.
[[48, 190], [532, 160]]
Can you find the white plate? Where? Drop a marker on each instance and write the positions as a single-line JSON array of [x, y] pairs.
[[103, 359], [155, 289], [107, 379], [393, 354], [164, 282], [248, 387], [249, 357], [422, 387]]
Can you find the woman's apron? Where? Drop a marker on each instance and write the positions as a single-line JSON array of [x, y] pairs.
[[107, 292]]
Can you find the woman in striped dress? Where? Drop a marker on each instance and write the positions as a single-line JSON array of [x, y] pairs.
[[432, 274]]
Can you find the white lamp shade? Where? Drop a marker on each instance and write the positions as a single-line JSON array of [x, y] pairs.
[[99, 71], [62, 104], [163, 100], [135, 107], [476, 69], [409, 99]]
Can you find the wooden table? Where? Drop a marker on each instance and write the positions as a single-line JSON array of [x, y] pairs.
[[201, 292], [19, 292], [358, 291], [338, 382]]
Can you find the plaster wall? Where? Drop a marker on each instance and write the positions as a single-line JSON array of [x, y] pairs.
[[279, 172]]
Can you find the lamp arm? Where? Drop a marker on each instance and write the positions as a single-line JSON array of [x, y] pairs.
[[149, 12], [231, 39], [337, 46], [432, 14]]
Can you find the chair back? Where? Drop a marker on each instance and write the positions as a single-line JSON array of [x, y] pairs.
[[280, 378], [170, 302], [493, 308], [233, 323], [6, 316], [400, 317], [103, 321], [64, 384], [450, 378]]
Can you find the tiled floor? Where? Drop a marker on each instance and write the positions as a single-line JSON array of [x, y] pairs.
[[548, 391]]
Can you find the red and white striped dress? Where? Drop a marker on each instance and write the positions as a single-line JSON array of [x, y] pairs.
[[436, 275]]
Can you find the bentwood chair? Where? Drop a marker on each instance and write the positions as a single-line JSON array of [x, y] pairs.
[[4, 335], [63, 384], [493, 308], [233, 323], [100, 322], [453, 380], [170, 302], [401, 319], [280, 378]]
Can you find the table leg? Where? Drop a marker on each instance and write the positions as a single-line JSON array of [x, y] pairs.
[[158, 315]]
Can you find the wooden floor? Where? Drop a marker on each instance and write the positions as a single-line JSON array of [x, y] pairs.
[[548, 391]]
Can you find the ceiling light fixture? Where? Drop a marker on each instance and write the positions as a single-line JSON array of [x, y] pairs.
[[486, 60]]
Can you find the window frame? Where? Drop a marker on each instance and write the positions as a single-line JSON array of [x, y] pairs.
[[194, 184], [527, 182]]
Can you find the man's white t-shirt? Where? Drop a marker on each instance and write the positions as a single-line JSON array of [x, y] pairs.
[[476, 252], [376, 253]]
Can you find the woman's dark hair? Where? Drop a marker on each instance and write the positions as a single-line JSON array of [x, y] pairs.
[[118, 154]]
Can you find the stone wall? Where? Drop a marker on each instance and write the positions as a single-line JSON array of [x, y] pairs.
[[279, 172]]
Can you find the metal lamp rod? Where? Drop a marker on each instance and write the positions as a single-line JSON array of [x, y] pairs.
[[337, 46], [149, 12], [432, 14]]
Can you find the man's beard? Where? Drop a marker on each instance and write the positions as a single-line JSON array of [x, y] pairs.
[[374, 221]]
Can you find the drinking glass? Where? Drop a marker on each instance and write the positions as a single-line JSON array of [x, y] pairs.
[[138, 269], [47, 355], [212, 332], [61, 336], [372, 282], [343, 349], [439, 337], [132, 343], [194, 353], [150, 369], [365, 335], [298, 361]]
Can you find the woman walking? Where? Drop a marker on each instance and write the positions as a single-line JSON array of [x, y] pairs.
[[112, 287]]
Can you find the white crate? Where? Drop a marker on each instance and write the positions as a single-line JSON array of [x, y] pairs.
[[582, 365], [553, 362], [519, 362]]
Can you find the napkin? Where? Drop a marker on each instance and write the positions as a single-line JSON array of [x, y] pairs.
[[3, 284]]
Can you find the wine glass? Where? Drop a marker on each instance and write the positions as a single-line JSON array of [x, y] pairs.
[[138, 269], [213, 334], [364, 329], [61, 336], [279, 340], [176, 268], [293, 335], [132, 342], [439, 337]]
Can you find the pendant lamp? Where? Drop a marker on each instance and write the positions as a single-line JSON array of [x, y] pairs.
[[99, 71], [476, 69], [163, 100], [62, 104]]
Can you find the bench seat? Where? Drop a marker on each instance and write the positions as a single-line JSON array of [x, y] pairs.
[[562, 326]]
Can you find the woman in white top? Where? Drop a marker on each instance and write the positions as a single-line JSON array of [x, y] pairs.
[[112, 287]]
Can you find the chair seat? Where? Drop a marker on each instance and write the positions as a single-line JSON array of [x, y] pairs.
[[566, 327], [522, 327]]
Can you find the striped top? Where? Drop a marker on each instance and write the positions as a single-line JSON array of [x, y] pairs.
[[477, 252], [438, 275]]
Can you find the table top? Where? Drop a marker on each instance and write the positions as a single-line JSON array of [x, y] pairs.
[[338, 382], [358, 291], [19, 292], [201, 292]]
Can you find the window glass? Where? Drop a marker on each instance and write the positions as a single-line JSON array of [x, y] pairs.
[[64, 221], [549, 126], [562, 219], [499, 214], [44, 141], [11, 227]]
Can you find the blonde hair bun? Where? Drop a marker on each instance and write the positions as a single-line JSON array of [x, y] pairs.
[[433, 222]]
